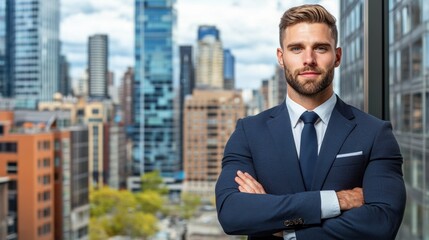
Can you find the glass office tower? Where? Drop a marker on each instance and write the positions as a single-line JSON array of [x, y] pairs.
[[34, 50], [154, 130]]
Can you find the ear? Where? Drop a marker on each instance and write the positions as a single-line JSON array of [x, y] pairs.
[[280, 57], [338, 55]]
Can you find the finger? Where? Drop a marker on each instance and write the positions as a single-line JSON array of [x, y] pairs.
[[244, 186], [258, 186]]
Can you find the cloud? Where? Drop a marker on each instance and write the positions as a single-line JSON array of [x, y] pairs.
[[248, 28]]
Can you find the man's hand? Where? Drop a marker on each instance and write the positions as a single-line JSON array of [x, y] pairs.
[[247, 184], [349, 199]]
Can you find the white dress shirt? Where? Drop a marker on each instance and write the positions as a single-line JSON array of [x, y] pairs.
[[329, 201]]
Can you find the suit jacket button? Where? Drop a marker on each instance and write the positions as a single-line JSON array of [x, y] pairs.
[[300, 221], [288, 223]]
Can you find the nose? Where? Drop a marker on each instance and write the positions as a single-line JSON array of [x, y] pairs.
[[309, 57]]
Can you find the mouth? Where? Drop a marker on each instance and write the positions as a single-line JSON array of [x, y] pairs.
[[309, 74]]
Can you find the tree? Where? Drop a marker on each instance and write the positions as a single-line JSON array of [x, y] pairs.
[[116, 213], [152, 181], [190, 203]]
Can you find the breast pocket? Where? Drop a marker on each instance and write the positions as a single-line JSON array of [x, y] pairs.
[[351, 160]]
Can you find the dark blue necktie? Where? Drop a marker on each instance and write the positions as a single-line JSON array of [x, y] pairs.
[[308, 149]]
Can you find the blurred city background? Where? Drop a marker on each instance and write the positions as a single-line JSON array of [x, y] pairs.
[[114, 114]]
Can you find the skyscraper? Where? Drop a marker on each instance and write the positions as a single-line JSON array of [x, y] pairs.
[[154, 131], [98, 65], [3, 17], [64, 81], [33, 45], [228, 70], [187, 84], [209, 58]]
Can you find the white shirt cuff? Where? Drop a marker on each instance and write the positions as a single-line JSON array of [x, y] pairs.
[[330, 207], [289, 235]]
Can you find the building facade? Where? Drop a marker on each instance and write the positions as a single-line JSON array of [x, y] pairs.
[[33, 45], [209, 120], [154, 133], [98, 52], [3, 207], [408, 75], [71, 183], [351, 40], [409, 101], [27, 159], [209, 69]]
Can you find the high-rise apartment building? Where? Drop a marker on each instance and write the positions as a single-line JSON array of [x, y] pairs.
[[154, 133], [33, 50], [228, 70], [98, 53], [209, 120], [127, 87], [210, 59]]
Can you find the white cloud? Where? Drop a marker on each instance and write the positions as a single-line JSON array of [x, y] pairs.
[[248, 28]]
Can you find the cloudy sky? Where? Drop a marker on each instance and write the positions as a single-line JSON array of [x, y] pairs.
[[248, 28]]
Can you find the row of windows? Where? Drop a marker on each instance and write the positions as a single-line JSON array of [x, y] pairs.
[[8, 147], [44, 145], [44, 196], [44, 213], [45, 162], [45, 179], [44, 229]]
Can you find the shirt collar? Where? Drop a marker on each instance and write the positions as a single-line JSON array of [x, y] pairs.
[[324, 110]]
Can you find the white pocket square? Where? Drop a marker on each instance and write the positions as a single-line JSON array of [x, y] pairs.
[[349, 154]]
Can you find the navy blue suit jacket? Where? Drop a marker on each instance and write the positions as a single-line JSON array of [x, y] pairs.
[[358, 150]]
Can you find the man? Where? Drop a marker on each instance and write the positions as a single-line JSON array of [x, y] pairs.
[[335, 176]]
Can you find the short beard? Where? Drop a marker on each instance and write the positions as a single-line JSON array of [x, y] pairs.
[[309, 88]]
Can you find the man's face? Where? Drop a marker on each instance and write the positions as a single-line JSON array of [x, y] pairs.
[[309, 57]]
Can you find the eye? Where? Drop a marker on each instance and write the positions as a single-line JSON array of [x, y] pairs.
[[295, 49], [321, 49]]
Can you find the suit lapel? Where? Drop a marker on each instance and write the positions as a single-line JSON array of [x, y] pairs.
[[280, 128], [339, 128]]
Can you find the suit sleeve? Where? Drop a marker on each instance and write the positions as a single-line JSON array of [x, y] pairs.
[[256, 214], [384, 194]]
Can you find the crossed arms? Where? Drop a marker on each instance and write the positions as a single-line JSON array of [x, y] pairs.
[[242, 211]]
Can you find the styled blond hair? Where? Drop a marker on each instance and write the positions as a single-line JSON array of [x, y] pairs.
[[308, 13]]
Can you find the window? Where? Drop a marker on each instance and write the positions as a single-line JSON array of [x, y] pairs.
[[9, 147], [417, 58], [12, 167], [95, 111]]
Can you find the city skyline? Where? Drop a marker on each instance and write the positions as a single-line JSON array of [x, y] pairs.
[[248, 29]]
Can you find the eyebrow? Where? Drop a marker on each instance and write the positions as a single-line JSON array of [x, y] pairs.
[[298, 44]]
